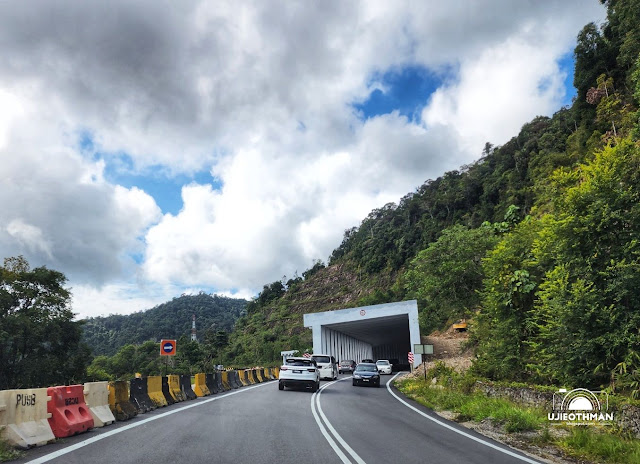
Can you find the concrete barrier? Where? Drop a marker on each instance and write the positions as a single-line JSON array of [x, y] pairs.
[[267, 373], [166, 391], [276, 372], [139, 396], [210, 380], [174, 388], [254, 376], [96, 396], [218, 379], [24, 417], [248, 377], [154, 389], [185, 386], [232, 375], [201, 385], [259, 375], [225, 380], [242, 378], [69, 413], [119, 402], [237, 379]]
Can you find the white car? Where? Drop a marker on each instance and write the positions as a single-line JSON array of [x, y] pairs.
[[384, 366], [327, 365], [299, 372]]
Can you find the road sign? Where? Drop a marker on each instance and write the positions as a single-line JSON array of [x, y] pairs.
[[167, 347], [410, 357], [423, 349]]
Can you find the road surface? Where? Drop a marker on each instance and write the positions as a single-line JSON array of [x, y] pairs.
[[260, 424]]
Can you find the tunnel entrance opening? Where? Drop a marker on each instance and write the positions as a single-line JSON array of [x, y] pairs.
[[386, 331]]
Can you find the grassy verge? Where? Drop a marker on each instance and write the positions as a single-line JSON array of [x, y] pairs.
[[475, 407], [454, 392]]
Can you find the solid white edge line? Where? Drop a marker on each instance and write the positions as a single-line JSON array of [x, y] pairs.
[[344, 444], [102, 436], [324, 432], [464, 434]]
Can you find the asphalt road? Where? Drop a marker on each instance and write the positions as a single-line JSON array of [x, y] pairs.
[[260, 424]]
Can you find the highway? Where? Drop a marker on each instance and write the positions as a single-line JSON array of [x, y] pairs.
[[260, 424]]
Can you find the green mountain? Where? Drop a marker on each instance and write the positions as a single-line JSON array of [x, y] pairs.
[[538, 240], [106, 335]]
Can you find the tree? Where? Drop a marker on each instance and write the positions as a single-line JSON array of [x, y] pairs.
[[39, 340], [445, 277]]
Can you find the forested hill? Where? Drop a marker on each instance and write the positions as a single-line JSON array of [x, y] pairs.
[[538, 242], [105, 335]]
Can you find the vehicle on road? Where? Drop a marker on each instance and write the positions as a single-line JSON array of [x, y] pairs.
[[366, 374], [327, 365], [348, 365], [384, 366], [370, 361], [299, 373]]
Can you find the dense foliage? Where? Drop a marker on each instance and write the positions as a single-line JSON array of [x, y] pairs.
[[106, 335], [39, 341]]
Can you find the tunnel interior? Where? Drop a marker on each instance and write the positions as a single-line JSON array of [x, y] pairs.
[[388, 336]]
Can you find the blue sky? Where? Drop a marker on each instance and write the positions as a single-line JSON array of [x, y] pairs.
[[405, 89]]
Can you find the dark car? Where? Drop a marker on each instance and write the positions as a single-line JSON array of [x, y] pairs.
[[348, 365], [366, 374], [371, 361]]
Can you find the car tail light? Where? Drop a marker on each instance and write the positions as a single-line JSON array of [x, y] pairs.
[[284, 368]]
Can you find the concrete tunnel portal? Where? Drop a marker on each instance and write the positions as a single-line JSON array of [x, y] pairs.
[[385, 331]]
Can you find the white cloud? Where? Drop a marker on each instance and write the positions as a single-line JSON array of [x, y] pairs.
[[260, 95]]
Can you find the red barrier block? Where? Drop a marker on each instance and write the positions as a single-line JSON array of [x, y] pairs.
[[69, 413]]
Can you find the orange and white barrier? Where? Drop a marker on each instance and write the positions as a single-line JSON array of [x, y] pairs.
[[69, 413]]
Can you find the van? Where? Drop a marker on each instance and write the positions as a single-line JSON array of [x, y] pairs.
[[327, 366]]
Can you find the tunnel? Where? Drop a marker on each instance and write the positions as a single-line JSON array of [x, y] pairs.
[[385, 331]]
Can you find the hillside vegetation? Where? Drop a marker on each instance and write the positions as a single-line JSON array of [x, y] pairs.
[[106, 335], [537, 241]]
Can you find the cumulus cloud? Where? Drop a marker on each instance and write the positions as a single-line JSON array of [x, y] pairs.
[[260, 95], [58, 210]]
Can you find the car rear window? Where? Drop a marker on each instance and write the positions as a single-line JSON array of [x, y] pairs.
[[322, 359], [382, 363], [362, 368], [346, 363], [299, 362]]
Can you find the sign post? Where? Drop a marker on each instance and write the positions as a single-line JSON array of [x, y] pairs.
[[423, 350], [410, 357], [167, 348]]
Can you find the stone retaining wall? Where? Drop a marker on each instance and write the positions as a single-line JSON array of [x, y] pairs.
[[627, 417]]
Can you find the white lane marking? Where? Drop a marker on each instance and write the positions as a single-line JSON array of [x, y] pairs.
[[102, 436], [344, 444], [444, 424], [324, 432]]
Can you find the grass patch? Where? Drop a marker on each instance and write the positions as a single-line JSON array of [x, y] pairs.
[[8, 452], [474, 406], [584, 442]]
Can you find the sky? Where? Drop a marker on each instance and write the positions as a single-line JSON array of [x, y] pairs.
[[151, 149]]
